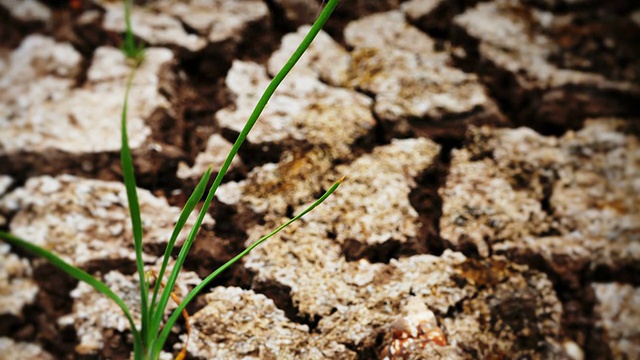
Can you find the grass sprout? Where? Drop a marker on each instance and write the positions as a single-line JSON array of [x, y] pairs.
[[150, 335]]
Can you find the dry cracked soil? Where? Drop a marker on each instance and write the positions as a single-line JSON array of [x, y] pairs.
[[491, 152]]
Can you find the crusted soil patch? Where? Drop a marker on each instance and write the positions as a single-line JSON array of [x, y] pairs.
[[491, 154]]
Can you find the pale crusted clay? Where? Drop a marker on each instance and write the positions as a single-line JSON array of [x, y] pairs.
[[618, 310], [87, 220], [213, 156], [17, 287], [303, 108], [86, 119], [238, 323], [415, 9], [27, 10], [157, 29], [217, 20], [496, 186], [324, 59], [9, 349], [372, 205], [514, 43], [358, 300], [93, 313], [39, 69], [398, 64], [515, 306]]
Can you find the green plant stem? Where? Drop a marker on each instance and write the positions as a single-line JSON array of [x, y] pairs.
[[177, 312], [253, 118], [134, 211], [182, 220]]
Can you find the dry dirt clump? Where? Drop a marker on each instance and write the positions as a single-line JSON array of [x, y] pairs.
[[87, 221], [17, 288], [415, 87], [571, 200], [51, 124], [356, 303], [618, 309], [96, 319], [250, 326], [303, 109], [515, 45], [10, 348]]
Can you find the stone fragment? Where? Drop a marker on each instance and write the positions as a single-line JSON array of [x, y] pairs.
[[571, 200], [524, 47], [27, 11], [86, 222], [10, 349], [415, 88], [618, 310], [324, 59], [94, 314], [238, 323], [17, 288], [154, 28], [303, 109]]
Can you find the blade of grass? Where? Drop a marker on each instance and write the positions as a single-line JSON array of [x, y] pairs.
[[262, 102], [182, 220], [78, 274], [134, 209], [178, 311]]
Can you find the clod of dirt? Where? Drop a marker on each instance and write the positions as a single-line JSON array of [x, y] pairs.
[[86, 222], [371, 209], [325, 59], [618, 310], [213, 156], [303, 109], [95, 315], [218, 21], [40, 69], [49, 124], [26, 351], [510, 44], [571, 200], [156, 29], [238, 323], [415, 88], [27, 11], [17, 288]]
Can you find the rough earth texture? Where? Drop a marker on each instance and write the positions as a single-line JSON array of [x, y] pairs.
[[489, 208]]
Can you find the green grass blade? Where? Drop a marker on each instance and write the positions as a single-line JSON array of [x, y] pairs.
[[253, 118], [184, 215], [177, 312], [129, 47], [77, 273], [134, 208]]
